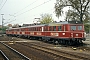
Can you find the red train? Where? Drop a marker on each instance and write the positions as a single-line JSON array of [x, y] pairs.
[[63, 33]]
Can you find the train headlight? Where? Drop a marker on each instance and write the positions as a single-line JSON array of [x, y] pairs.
[[63, 33], [76, 34]]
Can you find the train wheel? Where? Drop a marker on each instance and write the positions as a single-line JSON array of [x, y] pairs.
[[77, 42], [70, 42], [56, 42], [80, 41], [61, 41], [66, 42]]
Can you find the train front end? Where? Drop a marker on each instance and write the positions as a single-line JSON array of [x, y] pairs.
[[77, 33]]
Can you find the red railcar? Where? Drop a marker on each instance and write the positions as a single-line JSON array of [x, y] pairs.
[[64, 33]]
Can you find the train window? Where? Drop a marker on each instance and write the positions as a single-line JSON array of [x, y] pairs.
[[16, 30], [59, 28], [37, 28], [25, 29], [50, 28], [21, 29], [54, 28], [33, 29], [29, 29], [45, 28], [40, 29], [73, 27], [79, 27]]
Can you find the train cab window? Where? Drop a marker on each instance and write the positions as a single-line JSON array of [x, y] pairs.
[[54, 28], [73, 27], [79, 27], [59, 28]]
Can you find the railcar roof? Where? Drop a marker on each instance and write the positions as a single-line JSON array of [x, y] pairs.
[[50, 24], [28, 26]]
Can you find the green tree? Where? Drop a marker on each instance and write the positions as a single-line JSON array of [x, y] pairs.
[[87, 28], [46, 18], [79, 9], [4, 28]]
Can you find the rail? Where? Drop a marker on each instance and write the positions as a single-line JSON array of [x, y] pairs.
[[49, 50], [26, 58], [6, 58]]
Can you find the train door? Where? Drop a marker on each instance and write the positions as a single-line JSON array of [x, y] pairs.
[[45, 28]]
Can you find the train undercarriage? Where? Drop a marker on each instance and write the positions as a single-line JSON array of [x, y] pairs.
[[56, 41]]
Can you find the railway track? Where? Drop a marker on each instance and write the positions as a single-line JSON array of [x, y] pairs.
[[58, 54], [31, 53], [64, 54], [9, 53], [3, 56]]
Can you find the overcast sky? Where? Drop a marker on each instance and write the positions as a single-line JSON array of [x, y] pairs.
[[24, 11]]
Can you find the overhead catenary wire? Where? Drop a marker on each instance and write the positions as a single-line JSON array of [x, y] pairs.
[[33, 8], [22, 9], [3, 5], [30, 9], [27, 17], [26, 6], [1, 2], [41, 12], [9, 22]]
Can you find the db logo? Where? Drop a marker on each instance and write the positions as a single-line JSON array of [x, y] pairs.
[[54, 34]]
